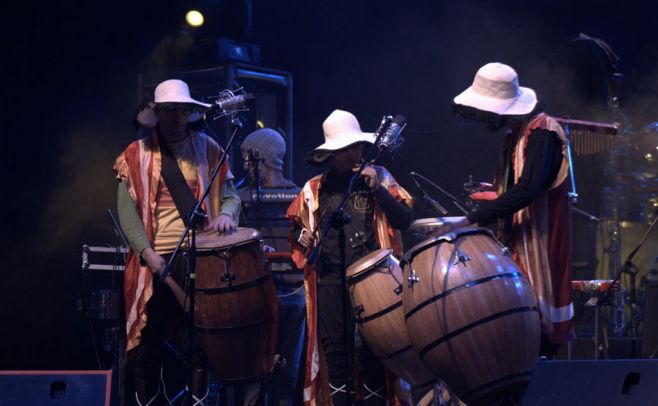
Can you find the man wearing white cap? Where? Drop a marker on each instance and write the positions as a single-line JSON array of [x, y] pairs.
[[271, 147], [530, 200], [378, 208], [161, 177]]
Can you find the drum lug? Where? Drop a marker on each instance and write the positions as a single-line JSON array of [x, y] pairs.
[[461, 257], [398, 290], [507, 252], [413, 278], [357, 310], [228, 278]]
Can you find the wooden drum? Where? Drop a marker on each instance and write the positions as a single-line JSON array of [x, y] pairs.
[[235, 306], [375, 286], [471, 314]]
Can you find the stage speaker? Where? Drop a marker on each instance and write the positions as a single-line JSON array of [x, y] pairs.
[[600, 383], [61, 388]]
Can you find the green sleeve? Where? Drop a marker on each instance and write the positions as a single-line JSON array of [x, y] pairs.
[[129, 220], [230, 201]]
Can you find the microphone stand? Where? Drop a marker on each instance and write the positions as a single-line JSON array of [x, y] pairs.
[[255, 158], [338, 219], [629, 268], [453, 199], [196, 216]]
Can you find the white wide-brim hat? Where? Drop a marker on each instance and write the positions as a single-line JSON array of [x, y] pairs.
[[170, 91], [341, 130], [496, 89]]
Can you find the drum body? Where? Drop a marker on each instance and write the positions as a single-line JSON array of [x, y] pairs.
[[375, 286], [235, 306], [471, 314]]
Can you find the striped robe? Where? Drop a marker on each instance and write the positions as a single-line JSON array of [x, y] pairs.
[[303, 212], [139, 166], [539, 238]]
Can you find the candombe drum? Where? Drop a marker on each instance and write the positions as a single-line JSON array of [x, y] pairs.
[[375, 287], [235, 306], [471, 314]]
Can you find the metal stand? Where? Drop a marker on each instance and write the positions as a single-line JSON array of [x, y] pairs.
[[630, 269], [254, 160]]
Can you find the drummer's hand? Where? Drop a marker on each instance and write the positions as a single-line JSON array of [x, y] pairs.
[[306, 239], [369, 174], [222, 224], [154, 261], [484, 196]]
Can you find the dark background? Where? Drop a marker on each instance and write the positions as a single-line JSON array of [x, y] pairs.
[[71, 91]]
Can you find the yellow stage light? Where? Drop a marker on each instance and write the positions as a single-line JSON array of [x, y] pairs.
[[194, 18]]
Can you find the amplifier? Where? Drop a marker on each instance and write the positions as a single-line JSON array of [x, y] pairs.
[[103, 258], [281, 262]]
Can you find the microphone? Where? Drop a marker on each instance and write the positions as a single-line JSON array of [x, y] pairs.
[[427, 197], [228, 102], [389, 133], [252, 159]]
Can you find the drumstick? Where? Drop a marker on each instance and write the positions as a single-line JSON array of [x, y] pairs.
[[180, 295]]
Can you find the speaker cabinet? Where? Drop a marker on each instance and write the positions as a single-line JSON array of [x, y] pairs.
[[600, 383], [61, 388]]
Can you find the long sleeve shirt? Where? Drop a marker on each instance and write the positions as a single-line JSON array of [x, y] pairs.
[[542, 164], [133, 227]]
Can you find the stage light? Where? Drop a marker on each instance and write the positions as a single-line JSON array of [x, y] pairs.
[[194, 18]]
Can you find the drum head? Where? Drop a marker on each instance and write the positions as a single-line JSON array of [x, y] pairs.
[[449, 237], [368, 262], [211, 241], [423, 228]]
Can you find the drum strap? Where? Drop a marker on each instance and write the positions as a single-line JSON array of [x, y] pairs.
[[175, 181]]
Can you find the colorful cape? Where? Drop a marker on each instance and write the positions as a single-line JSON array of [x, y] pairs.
[[139, 167], [540, 238], [303, 212]]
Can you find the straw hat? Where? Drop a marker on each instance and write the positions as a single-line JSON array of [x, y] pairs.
[[170, 91], [496, 89], [341, 130]]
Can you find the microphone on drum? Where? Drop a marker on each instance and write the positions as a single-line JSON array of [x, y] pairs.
[[228, 102], [389, 133], [427, 197]]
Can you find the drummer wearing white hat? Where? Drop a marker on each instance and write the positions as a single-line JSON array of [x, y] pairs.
[[530, 201], [378, 206], [161, 177]]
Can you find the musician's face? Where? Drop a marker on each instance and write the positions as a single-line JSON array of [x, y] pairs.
[[173, 117], [345, 159]]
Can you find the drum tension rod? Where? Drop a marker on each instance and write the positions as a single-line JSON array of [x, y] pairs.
[[460, 257], [413, 278], [228, 277]]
